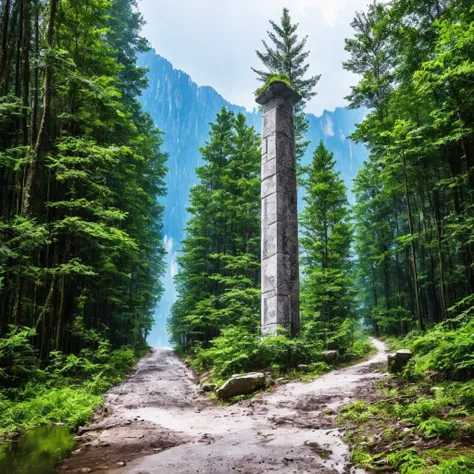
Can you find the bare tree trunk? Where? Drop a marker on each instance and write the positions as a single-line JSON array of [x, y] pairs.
[[6, 21], [34, 111], [25, 57], [32, 166], [416, 282]]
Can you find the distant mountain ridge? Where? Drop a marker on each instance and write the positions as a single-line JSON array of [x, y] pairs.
[[183, 111]]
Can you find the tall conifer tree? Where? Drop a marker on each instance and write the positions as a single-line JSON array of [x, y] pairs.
[[288, 56], [326, 240], [218, 281]]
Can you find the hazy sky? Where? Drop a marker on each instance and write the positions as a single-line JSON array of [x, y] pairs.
[[214, 41]]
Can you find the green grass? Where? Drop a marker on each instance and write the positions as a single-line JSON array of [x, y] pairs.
[[421, 422], [70, 406], [271, 79]]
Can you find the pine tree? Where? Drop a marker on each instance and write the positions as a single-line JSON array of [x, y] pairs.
[[326, 239], [218, 281], [81, 172], [288, 56]]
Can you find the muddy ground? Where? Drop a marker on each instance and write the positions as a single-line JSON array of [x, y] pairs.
[[159, 421]]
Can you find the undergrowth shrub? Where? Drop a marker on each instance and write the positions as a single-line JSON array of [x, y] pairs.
[[65, 390], [18, 358], [237, 351], [459, 465], [436, 428], [407, 461], [444, 349]]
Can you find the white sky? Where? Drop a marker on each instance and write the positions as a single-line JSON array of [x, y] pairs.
[[214, 41]]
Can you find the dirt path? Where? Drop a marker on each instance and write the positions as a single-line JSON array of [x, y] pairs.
[[159, 421]]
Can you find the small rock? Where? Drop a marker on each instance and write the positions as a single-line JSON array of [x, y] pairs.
[[76, 451], [302, 367], [398, 361], [330, 356], [436, 389], [121, 463], [86, 469], [209, 387]]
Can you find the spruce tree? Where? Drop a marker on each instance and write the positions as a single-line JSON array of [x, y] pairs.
[[326, 239], [288, 56], [218, 280]]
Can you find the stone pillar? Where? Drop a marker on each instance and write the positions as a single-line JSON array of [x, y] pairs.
[[280, 265]]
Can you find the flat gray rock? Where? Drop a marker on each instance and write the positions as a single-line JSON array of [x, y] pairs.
[[241, 385]]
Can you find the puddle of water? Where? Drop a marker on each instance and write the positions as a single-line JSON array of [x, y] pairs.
[[38, 451]]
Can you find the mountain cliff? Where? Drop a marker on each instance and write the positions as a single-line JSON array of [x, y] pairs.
[[183, 111]]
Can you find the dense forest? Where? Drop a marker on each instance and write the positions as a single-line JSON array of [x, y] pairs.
[[80, 175], [414, 212]]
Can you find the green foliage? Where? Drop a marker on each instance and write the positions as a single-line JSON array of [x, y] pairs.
[[447, 349], [407, 462], [18, 358], [66, 391], [418, 411], [436, 428], [71, 406], [238, 351], [458, 465]]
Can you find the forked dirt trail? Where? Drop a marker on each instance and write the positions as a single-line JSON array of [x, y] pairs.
[[159, 421]]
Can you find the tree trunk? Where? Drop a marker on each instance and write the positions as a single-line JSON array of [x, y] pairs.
[[25, 58], [421, 323], [32, 166], [6, 21]]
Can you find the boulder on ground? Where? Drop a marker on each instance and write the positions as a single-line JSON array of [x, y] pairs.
[[398, 361], [241, 385], [209, 387], [330, 356]]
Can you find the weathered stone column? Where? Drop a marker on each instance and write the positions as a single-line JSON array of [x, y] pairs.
[[280, 266]]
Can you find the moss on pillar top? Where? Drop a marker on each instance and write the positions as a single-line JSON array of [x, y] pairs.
[[277, 84]]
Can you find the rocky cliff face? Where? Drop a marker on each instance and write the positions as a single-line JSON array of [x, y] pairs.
[[183, 111]]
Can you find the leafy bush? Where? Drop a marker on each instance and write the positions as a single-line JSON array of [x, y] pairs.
[[421, 410], [66, 391], [407, 461], [436, 428], [18, 361], [459, 465], [71, 406], [449, 351], [236, 351]]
